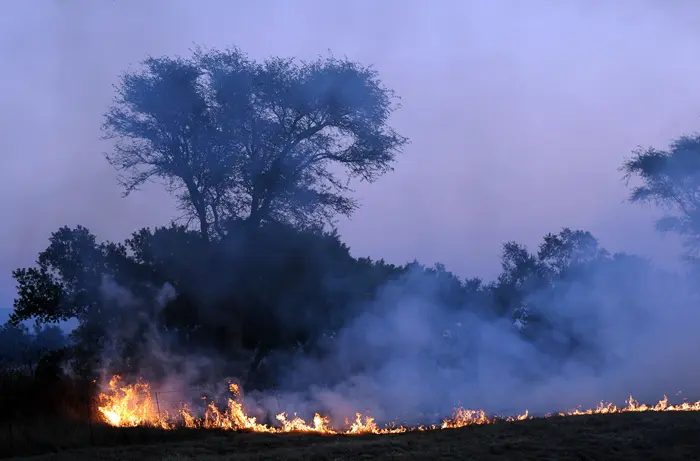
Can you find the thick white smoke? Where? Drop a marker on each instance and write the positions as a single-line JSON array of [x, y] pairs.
[[410, 358]]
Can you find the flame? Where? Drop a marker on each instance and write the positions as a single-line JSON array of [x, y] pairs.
[[634, 406], [133, 405]]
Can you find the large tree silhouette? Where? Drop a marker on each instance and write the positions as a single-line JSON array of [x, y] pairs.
[[258, 141]]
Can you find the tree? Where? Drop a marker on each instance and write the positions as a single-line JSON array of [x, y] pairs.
[[15, 342], [255, 141], [530, 285], [22, 349], [569, 252], [68, 276], [60, 285], [671, 179]]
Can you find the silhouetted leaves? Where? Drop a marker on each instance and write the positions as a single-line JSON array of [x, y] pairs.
[[260, 141], [671, 179]]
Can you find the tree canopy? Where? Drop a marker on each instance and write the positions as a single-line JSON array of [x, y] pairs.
[[670, 178], [255, 141]]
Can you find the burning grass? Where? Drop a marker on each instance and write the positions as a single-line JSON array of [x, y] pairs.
[[133, 405], [134, 427]]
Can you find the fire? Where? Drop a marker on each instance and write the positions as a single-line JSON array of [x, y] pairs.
[[134, 405], [131, 406], [634, 406]]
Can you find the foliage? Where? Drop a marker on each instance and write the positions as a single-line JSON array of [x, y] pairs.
[[260, 141], [671, 179], [277, 288], [22, 349]]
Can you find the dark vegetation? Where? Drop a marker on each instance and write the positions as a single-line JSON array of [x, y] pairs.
[[260, 156]]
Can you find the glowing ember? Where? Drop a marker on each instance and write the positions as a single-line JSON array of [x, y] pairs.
[[133, 405]]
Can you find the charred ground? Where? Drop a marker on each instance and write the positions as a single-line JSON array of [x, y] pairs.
[[649, 436]]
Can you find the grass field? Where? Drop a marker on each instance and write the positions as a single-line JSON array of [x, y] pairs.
[[630, 436]]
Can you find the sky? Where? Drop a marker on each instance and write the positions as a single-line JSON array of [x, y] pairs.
[[519, 114]]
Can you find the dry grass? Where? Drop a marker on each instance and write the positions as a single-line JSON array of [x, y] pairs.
[[631, 436]]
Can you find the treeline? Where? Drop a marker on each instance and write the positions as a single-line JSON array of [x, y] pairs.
[[277, 289], [259, 156]]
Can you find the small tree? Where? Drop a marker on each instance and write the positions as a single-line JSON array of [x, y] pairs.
[[66, 280], [569, 252], [22, 349]]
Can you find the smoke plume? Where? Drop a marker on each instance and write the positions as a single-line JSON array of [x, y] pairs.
[[409, 358]]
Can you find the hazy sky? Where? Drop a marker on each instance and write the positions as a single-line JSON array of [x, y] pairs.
[[519, 113]]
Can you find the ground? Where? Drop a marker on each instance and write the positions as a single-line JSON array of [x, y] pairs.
[[631, 436]]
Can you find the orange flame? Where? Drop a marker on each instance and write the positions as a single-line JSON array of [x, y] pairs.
[[133, 405]]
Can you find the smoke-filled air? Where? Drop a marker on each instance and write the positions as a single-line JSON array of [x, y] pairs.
[[249, 311]]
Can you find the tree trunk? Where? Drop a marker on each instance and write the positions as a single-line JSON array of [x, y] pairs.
[[203, 225], [199, 207]]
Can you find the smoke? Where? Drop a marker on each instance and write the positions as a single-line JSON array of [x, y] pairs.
[[620, 328], [137, 347], [408, 357]]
